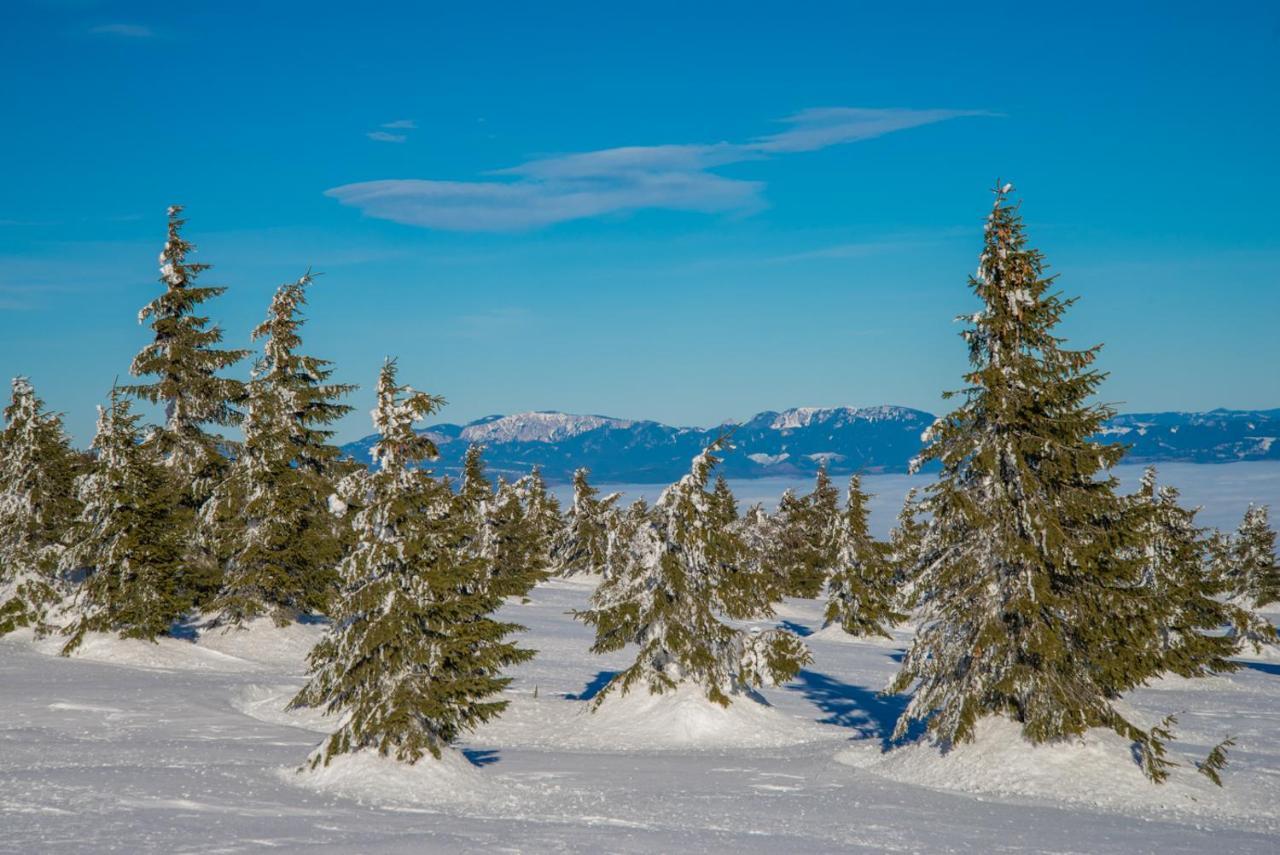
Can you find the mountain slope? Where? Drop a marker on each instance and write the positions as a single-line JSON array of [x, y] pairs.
[[797, 441]]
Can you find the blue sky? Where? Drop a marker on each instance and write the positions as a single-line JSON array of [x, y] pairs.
[[688, 212]]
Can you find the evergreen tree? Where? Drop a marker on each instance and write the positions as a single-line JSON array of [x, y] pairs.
[[673, 578], [543, 519], [270, 516], [805, 548], [1255, 572], [861, 590], [724, 505], [185, 361], [1032, 599], [127, 535], [37, 508], [585, 543], [503, 536], [1180, 586], [415, 656], [906, 548]]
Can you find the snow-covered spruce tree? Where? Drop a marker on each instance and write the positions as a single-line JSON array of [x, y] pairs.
[[675, 576], [184, 361], [542, 517], [906, 548], [269, 517], [37, 508], [414, 657], [1032, 599], [861, 590], [126, 537], [804, 553], [724, 505], [1181, 586], [1255, 570], [501, 534], [583, 548]]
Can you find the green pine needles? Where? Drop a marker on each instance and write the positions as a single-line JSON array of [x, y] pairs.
[[676, 575], [414, 657]]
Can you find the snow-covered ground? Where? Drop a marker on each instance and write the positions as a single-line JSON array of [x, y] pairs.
[[186, 747]]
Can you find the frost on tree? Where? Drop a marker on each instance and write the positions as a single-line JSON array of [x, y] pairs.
[[676, 574], [184, 361], [584, 545], [127, 539], [543, 520], [1246, 563], [503, 535], [1032, 599], [804, 547], [906, 548], [37, 507], [270, 517], [1181, 585], [414, 657], [861, 589]]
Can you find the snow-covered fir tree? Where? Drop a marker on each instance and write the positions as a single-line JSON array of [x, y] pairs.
[[414, 657], [906, 548], [37, 507], [1181, 585], [127, 539], [270, 516], [184, 359], [502, 536], [676, 575], [861, 591], [724, 505], [803, 553], [1032, 599], [583, 548], [1254, 574], [542, 517]]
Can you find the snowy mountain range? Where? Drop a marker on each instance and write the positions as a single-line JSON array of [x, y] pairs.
[[797, 441]]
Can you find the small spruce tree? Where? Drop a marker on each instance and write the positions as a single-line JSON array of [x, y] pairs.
[[584, 546], [126, 537], [862, 592], [1255, 571], [543, 519], [37, 508], [414, 657], [676, 573], [270, 516], [806, 544]]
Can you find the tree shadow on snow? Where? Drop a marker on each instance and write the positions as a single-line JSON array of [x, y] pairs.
[[870, 713], [481, 756], [1265, 667], [593, 687], [798, 628]]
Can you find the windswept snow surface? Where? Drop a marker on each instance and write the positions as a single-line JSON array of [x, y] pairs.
[[187, 747]]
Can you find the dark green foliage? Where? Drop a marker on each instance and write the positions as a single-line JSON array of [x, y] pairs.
[[805, 541], [584, 546], [270, 517], [1033, 595], [513, 544], [129, 536], [414, 657], [1215, 762], [907, 548], [1253, 569], [674, 573], [862, 590], [37, 506]]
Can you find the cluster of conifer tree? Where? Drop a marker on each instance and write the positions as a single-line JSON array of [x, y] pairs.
[[1042, 592]]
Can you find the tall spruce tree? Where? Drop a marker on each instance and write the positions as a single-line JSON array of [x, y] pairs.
[[678, 575], [543, 518], [270, 516], [1032, 599], [583, 548], [126, 537], [414, 657], [502, 534], [806, 543], [37, 507], [906, 548], [862, 590], [184, 359], [1254, 574]]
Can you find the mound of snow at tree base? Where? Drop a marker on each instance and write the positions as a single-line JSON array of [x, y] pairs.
[[369, 778], [259, 645], [1097, 770], [682, 719]]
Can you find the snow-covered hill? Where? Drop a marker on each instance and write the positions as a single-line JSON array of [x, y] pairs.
[[796, 441]]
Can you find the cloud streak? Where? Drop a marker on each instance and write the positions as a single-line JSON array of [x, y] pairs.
[[383, 136], [556, 189]]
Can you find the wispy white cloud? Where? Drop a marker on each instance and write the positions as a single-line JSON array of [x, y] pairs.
[[383, 136], [400, 124], [560, 188], [127, 31], [492, 323]]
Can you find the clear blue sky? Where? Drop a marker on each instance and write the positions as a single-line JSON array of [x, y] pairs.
[[684, 211]]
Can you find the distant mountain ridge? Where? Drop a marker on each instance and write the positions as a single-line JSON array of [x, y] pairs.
[[797, 441]]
